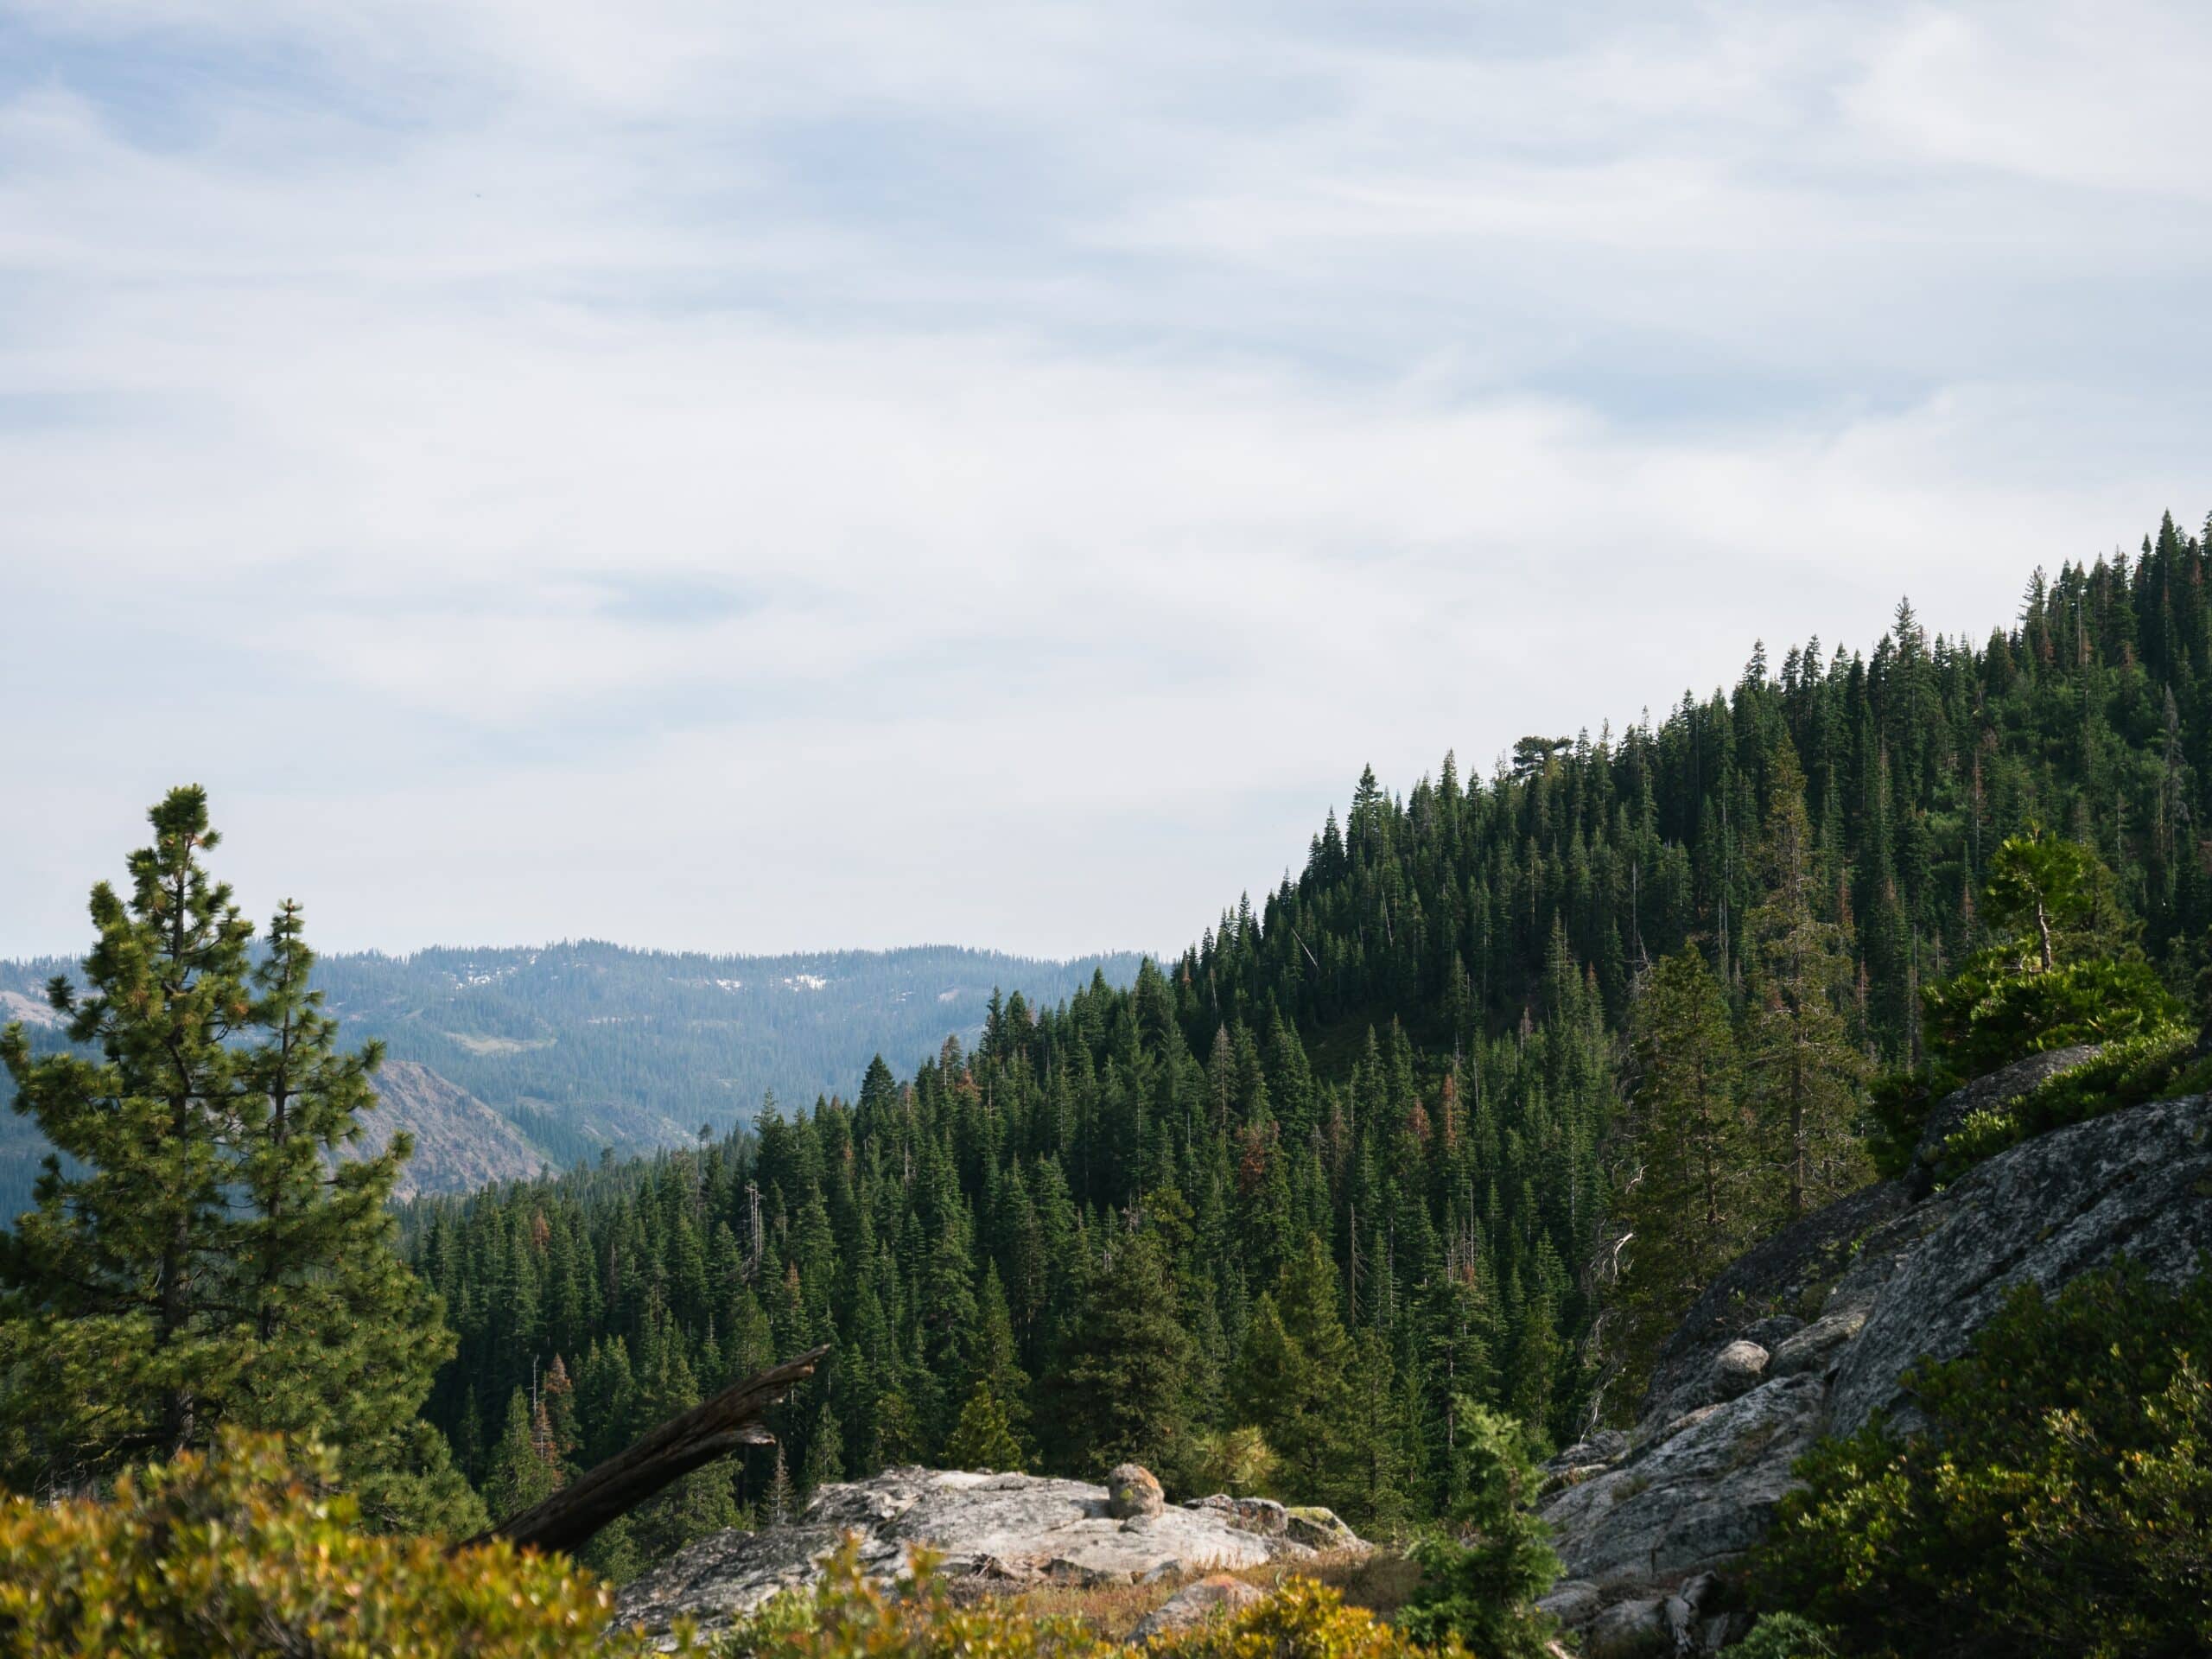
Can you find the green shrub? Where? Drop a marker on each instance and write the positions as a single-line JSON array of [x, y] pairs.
[[241, 1552], [2060, 1503], [2160, 1062], [1896, 1111], [1994, 1012], [1301, 1620], [849, 1616]]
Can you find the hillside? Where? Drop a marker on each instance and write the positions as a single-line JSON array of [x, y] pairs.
[[1373, 1118], [461, 1144], [585, 1047]]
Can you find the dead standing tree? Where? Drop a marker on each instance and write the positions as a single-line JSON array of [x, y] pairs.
[[566, 1520]]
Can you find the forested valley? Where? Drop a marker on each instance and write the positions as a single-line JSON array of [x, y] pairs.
[[1276, 1214]]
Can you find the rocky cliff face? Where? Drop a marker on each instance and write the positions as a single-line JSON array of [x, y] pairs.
[[999, 1532], [1809, 1334], [461, 1144]]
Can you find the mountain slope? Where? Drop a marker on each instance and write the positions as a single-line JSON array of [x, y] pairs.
[[585, 1047], [1407, 1055], [461, 1144]]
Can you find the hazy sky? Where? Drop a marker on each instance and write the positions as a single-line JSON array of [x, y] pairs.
[[789, 475]]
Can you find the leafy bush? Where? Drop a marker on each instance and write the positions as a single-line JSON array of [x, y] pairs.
[[240, 1552], [2065, 968], [849, 1616], [2060, 1503], [1301, 1620], [1232, 1460], [1476, 1590]]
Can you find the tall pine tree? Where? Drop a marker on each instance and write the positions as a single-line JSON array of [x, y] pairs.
[[202, 1263]]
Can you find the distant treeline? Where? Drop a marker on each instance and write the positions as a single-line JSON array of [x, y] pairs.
[[589, 1047]]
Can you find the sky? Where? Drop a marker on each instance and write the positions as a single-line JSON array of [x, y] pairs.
[[759, 477]]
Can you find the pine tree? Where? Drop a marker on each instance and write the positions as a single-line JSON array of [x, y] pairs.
[[984, 1439], [346, 1339], [1295, 1378], [780, 1496], [993, 1365], [1688, 1162], [1119, 1394], [201, 1266], [1480, 1586], [825, 1452], [120, 1270], [521, 1475], [1802, 1071]]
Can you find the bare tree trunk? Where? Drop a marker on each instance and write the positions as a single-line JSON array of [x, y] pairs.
[[566, 1520]]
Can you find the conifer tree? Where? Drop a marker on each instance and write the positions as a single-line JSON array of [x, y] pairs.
[[825, 1452], [1119, 1394], [984, 1439], [1684, 1197], [1294, 1380], [993, 1368], [119, 1271], [521, 1475], [203, 1264], [1802, 1072]]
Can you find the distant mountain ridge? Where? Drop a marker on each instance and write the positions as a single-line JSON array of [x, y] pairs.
[[584, 1047]]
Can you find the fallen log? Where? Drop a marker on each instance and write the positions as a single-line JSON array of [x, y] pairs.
[[667, 1453]]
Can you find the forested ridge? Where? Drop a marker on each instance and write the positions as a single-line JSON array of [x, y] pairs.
[[1275, 1213], [585, 1046]]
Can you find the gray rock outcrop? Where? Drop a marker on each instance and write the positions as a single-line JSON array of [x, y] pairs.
[[997, 1532], [1838, 1307]]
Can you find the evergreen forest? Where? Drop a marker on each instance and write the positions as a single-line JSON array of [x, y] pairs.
[[1363, 1159]]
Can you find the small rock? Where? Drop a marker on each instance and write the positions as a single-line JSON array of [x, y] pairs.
[[1572, 1602], [1261, 1515], [1132, 1490], [1606, 1446], [1628, 1630], [1215, 1596], [1700, 1591], [1771, 1332], [1318, 1529], [1722, 1630], [1738, 1368], [1814, 1348]]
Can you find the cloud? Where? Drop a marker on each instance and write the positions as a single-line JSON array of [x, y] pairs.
[[777, 477]]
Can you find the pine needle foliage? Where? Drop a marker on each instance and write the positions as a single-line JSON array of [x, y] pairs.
[[205, 1259]]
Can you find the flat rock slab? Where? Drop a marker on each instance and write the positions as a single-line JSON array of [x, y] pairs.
[[994, 1532]]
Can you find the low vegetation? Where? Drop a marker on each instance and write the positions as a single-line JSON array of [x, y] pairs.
[[240, 1551], [2060, 1503], [849, 1616]]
